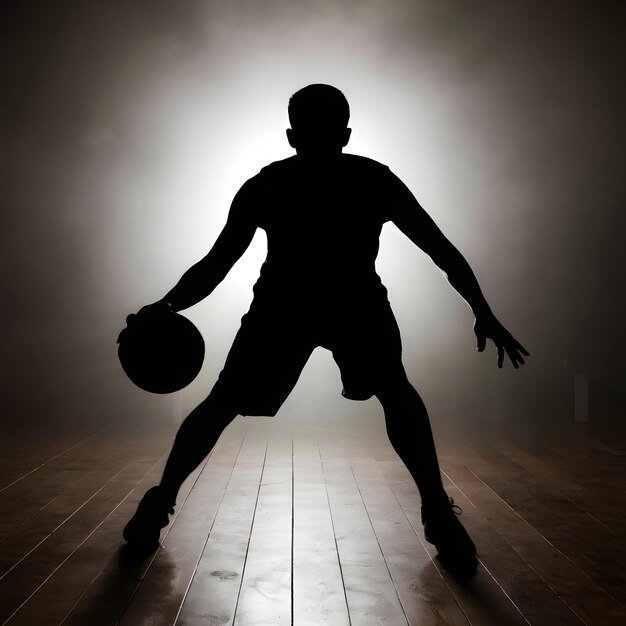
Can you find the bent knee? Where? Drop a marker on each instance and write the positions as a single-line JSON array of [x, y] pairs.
[[394, 384]]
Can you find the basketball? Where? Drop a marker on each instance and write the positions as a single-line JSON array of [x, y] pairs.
[[161, 351]]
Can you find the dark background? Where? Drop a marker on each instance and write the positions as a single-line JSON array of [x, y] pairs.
[[128, 126]]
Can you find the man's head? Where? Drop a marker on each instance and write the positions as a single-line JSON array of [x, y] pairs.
[[319, 116]]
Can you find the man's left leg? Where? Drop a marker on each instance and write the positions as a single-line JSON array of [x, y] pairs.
[[409, 431], [410, 434]]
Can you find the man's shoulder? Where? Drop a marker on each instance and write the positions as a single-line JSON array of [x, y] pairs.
[[363, 162], [362, 168], [266, 176], [353, 162], [349, 166], [276, 168]]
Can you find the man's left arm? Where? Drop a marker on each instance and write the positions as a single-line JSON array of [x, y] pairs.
[[409, 216]]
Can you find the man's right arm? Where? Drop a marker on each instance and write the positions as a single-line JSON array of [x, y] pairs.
[[203, 277]]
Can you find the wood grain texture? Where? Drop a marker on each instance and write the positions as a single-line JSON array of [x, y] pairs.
[[35, 570], [550, 533], [265, 595], [111, 591], [288, 523], [370, 592], [425, 597], [165, 583], [319, 596], [214, 591]]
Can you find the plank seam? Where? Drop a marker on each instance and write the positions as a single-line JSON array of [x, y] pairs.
[[332, 522], [17, 480], [245, 560], [369, 518], [130, 600], [525, 561], [217, 510], [75, 549]]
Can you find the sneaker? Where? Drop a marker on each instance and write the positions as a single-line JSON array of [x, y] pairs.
[[144, 528], [443, 529]]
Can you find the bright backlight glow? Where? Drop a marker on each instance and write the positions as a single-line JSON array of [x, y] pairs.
[[204, 127]]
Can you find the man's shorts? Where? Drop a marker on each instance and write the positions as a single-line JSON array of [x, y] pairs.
[[275, 341]]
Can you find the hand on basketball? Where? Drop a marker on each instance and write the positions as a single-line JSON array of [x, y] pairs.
[[488, 327], [156, 307], [160, 350]]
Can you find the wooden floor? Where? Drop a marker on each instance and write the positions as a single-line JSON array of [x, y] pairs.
[[288, 524]]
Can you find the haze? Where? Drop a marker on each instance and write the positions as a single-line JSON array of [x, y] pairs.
[[127, 128]]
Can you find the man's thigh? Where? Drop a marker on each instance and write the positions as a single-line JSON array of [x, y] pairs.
[[367, 349], [265, 362]]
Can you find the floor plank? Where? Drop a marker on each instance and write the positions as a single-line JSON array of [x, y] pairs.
[[20, 461], [425, 597], [24, 498], [289, 523], [24, 584], [318, 593], [547, 467], [62, 501], [214, 591], [167, 580], [483, 600], [565, 527], [68, 526], [265, 595], [110, 592], [491, 522], [370, 592]]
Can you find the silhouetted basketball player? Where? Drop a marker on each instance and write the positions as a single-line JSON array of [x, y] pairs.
[[323, 212]]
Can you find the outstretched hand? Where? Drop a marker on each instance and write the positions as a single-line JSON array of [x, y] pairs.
[[489, 327]]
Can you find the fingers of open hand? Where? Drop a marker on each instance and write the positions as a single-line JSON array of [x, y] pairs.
[[514, 351], [481, 342], [500, 356], [506, 345], [515, 357]]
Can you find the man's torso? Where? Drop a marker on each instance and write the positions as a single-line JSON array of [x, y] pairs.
[[323, 222]]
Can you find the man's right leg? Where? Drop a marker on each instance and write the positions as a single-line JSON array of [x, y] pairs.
[[196, 437]]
